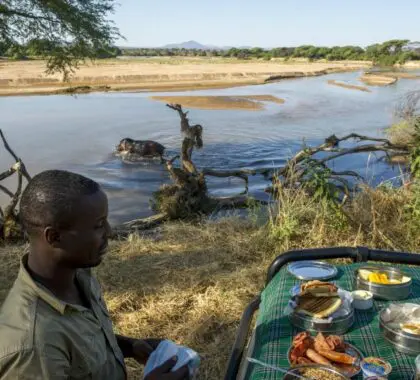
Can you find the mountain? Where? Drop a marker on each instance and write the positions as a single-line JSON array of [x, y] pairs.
[[195, 45], [412, 46], [187, 45]]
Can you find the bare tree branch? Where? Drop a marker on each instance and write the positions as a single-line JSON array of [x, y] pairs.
[[7, 191], [17, 159], [10, 209]]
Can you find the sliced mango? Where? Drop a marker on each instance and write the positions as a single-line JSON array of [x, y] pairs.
[[381, 278]]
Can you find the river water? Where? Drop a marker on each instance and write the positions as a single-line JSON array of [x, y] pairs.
[[80, 133]]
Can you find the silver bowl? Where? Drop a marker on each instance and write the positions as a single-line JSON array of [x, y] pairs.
[[338, 326], [403, 341], [297, 370], [392, 292]]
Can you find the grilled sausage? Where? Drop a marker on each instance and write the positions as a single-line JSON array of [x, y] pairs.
[[316, 357], [337, 357]]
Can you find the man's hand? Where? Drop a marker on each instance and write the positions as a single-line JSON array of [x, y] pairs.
[[164, 372], [142, 348]]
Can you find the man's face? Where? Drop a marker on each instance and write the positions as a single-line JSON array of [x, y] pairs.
[[84, 244]]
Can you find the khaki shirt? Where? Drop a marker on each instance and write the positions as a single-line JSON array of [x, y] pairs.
[[42, 337]]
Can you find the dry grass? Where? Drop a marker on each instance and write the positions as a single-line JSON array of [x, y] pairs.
[[402, 132], [233, 102], [192, 282], [159, 74]]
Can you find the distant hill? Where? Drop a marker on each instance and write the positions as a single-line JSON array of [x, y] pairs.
[[195, 45], [186, 45], [412, 46]]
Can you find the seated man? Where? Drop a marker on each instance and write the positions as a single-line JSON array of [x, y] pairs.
[[54, 324]]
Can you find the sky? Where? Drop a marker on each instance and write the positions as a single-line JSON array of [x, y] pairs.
[[266, 23]]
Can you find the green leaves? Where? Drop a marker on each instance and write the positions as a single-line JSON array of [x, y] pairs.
[[65, 32], [320, 181], [415, 162]]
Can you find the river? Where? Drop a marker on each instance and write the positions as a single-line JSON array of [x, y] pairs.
[[80, 133]]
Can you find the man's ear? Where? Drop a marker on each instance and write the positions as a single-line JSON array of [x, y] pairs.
[[52, 236]]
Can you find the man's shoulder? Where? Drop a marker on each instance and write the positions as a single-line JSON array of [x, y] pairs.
[[25, 321], [17, 318]]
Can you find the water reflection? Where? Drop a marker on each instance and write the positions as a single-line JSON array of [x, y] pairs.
[[79, 133]]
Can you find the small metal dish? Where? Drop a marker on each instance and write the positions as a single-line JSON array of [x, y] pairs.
[[298, 371], [391, 292], [338, 326], [403, 341], [312, 270]]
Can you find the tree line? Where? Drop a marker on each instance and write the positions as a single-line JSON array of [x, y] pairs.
[[387, 53], [35, 48]]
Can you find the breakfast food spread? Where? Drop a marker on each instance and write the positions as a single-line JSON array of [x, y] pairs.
[[362, 299], [318, 307], [318, 299], [318, 289], [412, 328], [319, 374], [329, 351], [378, 277]]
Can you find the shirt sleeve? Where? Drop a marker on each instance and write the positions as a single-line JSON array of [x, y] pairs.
[[33, 365]]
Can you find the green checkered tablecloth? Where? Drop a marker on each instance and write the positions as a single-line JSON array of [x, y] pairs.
[[274, 333]]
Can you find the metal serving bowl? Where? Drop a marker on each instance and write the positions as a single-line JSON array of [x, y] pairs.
[[403, 341], [392, 292], [297, 370], [338, 326]]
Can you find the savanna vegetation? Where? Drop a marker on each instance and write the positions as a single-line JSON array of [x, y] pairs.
[[189, 280], [387, 53], [63, 32]]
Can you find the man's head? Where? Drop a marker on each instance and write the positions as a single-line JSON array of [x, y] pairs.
[[65, 217]]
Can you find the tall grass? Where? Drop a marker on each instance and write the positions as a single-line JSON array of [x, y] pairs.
[[191, 282]]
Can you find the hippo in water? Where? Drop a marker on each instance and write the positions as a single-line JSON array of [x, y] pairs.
[[140, 148]]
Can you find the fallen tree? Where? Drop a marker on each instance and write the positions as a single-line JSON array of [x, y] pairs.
[[10, 228], [188, 196]]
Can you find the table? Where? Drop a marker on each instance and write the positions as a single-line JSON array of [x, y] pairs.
[[274, 333]]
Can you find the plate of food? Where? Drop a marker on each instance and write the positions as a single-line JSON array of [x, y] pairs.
[[321, 306], [387, 283], [314, 372], [331, 351], [400, 325], [318, 299]]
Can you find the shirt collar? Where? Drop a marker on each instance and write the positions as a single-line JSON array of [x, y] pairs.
[[45, 294]]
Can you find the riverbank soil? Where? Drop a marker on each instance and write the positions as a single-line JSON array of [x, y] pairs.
[[158, 74], [237, 102]]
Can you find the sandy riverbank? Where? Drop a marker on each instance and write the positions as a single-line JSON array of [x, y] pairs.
[[378, 80], [238, 102], [159, 74], [349, 86]]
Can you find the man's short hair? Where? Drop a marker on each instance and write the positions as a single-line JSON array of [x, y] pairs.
[[51, 199]]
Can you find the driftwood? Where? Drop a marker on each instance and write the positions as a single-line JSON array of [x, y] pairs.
[[10, 228], [188, 195], [303, 164], [138, 225]]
